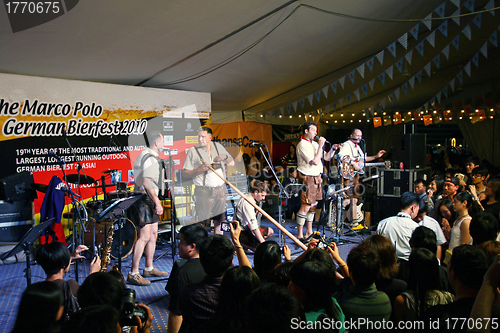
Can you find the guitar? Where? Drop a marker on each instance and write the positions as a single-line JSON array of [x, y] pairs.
[[348, 171]]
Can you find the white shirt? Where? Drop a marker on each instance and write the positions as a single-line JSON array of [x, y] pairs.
[[193, 161], [398, 229], [456, 233], [306, 150], [432, 224], [150, 169], [352, 150], [245, 212]]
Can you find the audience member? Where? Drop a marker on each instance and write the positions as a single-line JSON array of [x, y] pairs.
[[292, 188], [40, 310], [471, 163], [479, 176], [421, 191], [492, 203], [192, 238], [459, 232], [491, 249], [282, 273], [199, 301], [267, 256], [290, 159], [451, 187], [423, 219], [445, 213], [436, 189], [398, 229], [483, 227], [95, 319]]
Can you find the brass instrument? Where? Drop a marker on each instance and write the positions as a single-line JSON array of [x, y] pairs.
[[106, 253]]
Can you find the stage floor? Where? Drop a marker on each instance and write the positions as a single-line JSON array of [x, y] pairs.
[[13, 280]]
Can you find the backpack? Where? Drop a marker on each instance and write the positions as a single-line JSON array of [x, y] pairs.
[[70, 302]]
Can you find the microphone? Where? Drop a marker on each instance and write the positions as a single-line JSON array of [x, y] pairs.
[[257, 144], [54, 155], [64, 132], [68, 191], [317, 138]]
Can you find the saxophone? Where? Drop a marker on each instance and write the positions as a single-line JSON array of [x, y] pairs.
[[106, 252]]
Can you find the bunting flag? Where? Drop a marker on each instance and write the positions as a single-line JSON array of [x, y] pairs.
[[397, 92], [387, 120], [288, 108], [392, 48], [438, 96], [391, 98], [444, 28], [407, 117], [371, 83], [436, 60], [370, 63], [467, 68], [414, 31], [409, 55], [419, 76], [445, 91], [381, 76], [456, 3], [427, 119], [420, 48], [493, 38], [427, 21], [456, 41], [377, 121], [452, 85], [364, 89], [348, 97], [456, 17], [302, 101], [334, 86], [356, 93], [416, 115], [341, 102], [411, 81], [380, 57], [432, 38], [341, 81], [446, 51], [294, 104], [351, 76], [403, 40], [318, 95], [310, 98], [484, 49], [469, 4], [404, 87], [334, 105], [440, 9], [477, 20], [489, 6], [428, 69], [432, 102], [282, 111], [475, 59], [397, 119], [325, 91], [399, 64], [361, 70], [390, 71], [467, 32]]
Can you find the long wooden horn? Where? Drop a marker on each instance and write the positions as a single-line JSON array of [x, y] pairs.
[[279, 226]]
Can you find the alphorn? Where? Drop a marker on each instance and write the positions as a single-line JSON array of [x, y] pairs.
[[279, 226]]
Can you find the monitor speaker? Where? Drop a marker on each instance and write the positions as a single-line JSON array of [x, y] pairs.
[[410, 149]]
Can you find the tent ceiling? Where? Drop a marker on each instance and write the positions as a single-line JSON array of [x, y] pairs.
[[287, 50]]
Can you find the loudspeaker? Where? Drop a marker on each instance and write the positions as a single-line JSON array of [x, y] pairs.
[[17, 187], [410, 149], [385, 207]]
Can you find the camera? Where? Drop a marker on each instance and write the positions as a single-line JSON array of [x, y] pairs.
[[225, 226], [129, 311]]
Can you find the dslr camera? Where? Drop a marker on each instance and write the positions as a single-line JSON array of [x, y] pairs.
[[129, 310]]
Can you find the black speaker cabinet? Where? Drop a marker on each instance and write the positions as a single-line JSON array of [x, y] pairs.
[[17, 187], [394, 182], [410, 149], [385, 207], [15, 220]]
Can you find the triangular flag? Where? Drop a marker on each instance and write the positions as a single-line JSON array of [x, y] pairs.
[[341, 102], [288, 107], [334, 86], [392, 48], [371, 83], [403, 40], [419, 76], [380, 57], [452, 84], [477, 20], [334, 105], [370, 63], [489, 6], [411, 81], [438, 96], [467, 68], [456, 41], [364, 89], [391, 98], [389, 71], [351, 76], [445, 91], [456, 2], [381, 76], [446, 51], [467, 32], [325, 91], [440, 9], [420, 48], [436, 60], [404, 87], [409, 55], [294, 104], [456, 17], [356, 93], [310, 98], [444, 28], [282, 111], [302, 101], [484, 49], [318, 95], [414, 31], [460, 76], [493, 38], [428, 69], [475, 59], [428, 21], [341, 81], [469, 4], [397, 92], [399, 64], [432, 38], [361, 70]]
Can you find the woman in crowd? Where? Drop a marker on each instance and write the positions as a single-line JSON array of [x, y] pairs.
[[445, 212], [458, 233], [290, 159], [492, 203], [436, 188]]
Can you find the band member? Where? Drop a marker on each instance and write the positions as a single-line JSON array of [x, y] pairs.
[[352, 149], [253, 234], [310, 169], [147, 211], [210, 190]]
